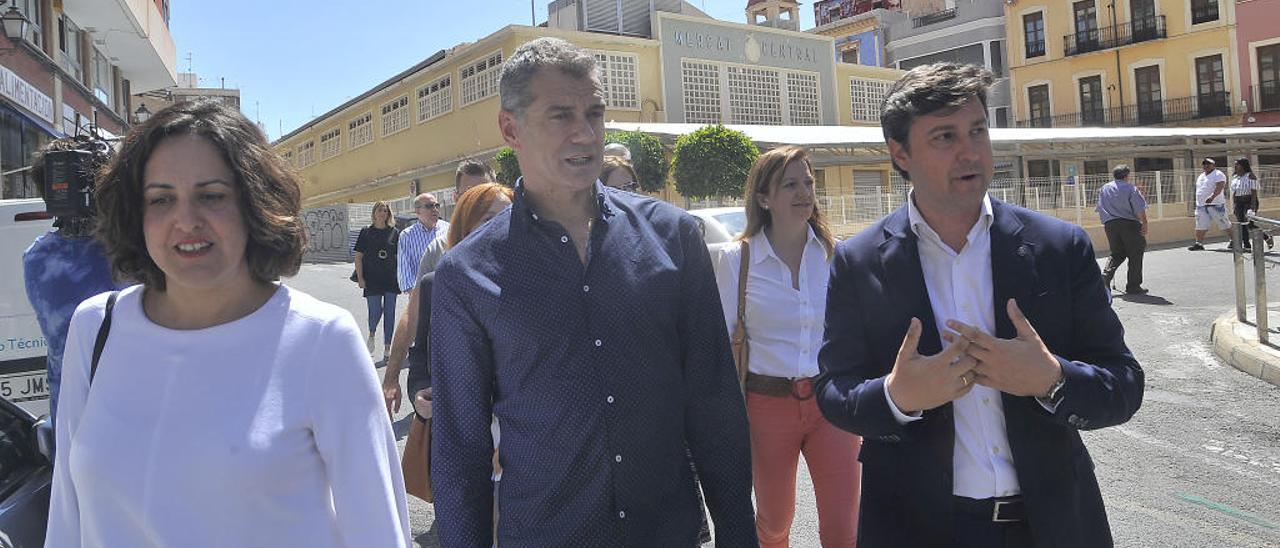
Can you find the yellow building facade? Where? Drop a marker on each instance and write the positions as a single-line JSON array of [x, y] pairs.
[[1123, 63], [407, 134]]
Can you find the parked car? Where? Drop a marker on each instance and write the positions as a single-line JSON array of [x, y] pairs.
[[720, 224], [23, 350], [26, 476]]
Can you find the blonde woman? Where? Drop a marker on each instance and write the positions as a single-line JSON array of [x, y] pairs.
[[788, 246], [376, 273]]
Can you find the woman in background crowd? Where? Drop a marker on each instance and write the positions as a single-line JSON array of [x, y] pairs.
[[618, 173], [212, 405], [1245, 192], [376, 273], [788, 247]]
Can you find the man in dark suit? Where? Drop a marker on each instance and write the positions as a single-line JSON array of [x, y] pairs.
[[1008, 346]]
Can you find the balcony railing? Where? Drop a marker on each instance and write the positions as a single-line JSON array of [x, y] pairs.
[[931, 18], [1141, 30], [1182, 109], [1267, 95]]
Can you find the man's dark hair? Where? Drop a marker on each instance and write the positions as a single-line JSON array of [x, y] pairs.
[[269, 194], [473, 168], [928, 89], [1120, 172]]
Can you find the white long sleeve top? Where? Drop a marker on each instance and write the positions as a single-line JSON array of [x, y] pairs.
[[265, 431], [784, 324]]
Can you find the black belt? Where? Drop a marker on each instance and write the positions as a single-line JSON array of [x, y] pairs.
[[998, 510], [800, 388]]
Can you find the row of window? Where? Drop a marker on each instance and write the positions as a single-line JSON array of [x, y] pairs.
[[717, 92], [1211, 95], [477, 81], [1143, 24], [70, 55]]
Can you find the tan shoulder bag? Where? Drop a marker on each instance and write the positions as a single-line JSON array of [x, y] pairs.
[[741, 348]]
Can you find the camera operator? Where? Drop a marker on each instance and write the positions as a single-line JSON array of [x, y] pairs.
[[65, 265]]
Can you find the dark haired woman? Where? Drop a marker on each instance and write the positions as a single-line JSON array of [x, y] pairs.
[[376, 273], [1244, 191], [787, 247], [227, 409]]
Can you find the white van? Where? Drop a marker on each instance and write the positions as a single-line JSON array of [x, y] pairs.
[[23, 349]]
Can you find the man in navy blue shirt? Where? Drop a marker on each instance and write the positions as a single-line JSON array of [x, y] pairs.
[[588, 322]]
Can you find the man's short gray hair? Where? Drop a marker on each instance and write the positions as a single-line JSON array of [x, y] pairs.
[[535, 55]]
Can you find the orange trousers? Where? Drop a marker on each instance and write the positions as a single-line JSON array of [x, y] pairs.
[[781, 429]]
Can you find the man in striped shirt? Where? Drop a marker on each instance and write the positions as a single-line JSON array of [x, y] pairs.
[[415, 239]]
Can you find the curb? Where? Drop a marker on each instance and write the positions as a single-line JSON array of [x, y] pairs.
[[1244, 353]]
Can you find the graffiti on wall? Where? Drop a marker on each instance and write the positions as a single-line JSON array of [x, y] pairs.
[[326, 233]]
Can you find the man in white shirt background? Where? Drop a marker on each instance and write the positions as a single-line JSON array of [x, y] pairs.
[[1211, 202], [974, 443]]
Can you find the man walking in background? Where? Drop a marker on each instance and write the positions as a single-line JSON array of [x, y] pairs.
[[415, 239], [1211, 202], [1123, 211]]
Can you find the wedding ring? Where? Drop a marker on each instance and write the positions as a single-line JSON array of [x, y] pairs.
[[964, 379]]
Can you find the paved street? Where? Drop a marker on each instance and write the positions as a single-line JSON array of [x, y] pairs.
[[1198, 466]]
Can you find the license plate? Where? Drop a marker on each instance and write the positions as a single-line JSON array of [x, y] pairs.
[[22, 387]]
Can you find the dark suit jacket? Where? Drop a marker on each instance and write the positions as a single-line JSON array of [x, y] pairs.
[[420, 352], [877, 286]]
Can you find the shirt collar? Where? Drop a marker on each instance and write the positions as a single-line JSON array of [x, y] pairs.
[[761, 249], [921, 227], [522, 208]]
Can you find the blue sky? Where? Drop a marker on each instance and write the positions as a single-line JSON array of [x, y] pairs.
[[296, 59]]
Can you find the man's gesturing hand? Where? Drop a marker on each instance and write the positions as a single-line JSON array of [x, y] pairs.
[[918, 382], [1021, 366]]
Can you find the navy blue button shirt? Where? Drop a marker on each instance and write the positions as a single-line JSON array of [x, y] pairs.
[[599, 375]]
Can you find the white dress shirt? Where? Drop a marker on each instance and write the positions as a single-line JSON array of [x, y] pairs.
[[960, 288], [784, 324]]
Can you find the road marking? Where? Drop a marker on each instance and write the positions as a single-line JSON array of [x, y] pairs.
[[1196, 523], [1239, 514], [1217, 462]]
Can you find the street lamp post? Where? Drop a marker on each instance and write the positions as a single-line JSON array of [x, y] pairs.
[[142, 114], [15, 23]]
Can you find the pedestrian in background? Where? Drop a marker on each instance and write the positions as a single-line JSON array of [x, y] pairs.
[[786, 253], [1245, 192], [417, 239], [227, 409], [619, 173], [1123, 212], [376, 273], [1211, 202]]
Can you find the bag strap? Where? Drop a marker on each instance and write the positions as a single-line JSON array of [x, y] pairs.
[[103, 331], [742, 285]]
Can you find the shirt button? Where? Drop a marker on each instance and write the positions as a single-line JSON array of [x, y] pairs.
[[586, 289], [617, 458], [609, 399], [622, 514], [564, 239], [599, 342], [986, 401], [995, 450]]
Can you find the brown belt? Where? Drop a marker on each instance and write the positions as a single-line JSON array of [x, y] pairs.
[[800, 388]]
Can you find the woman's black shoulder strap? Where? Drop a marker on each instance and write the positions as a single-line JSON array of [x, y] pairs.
[[103, 331]]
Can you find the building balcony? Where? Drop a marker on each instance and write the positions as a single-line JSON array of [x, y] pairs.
[[1133, 32], [932, 18], [1168, 111], [134, 35], [1266, 97]]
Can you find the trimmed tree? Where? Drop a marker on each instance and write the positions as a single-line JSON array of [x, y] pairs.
[[508, 166], [647, 156], [713, 161]]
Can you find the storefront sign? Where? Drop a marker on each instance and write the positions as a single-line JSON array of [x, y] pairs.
[[22, 93]]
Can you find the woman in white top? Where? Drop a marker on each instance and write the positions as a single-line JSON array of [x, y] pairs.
[[227, 409], [789, 258], [1244, 197]]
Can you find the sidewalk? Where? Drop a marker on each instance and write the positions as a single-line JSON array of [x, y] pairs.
[[1237, 343]]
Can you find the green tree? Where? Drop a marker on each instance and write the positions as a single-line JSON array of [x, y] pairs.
[[647, 156], [508, 166], [713, 161]]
